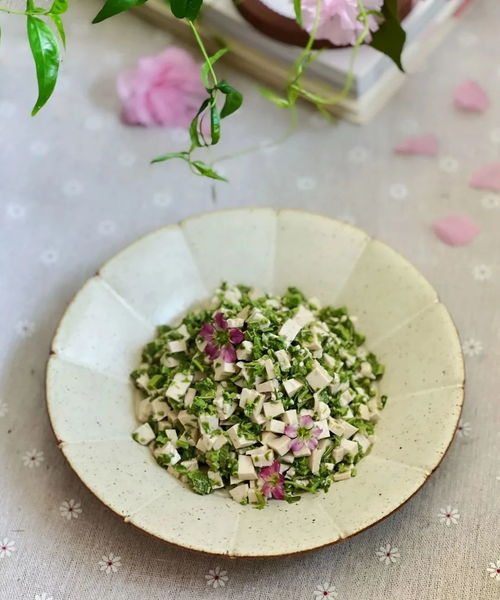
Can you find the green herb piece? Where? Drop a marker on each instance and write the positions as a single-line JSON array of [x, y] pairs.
[[200, 482]]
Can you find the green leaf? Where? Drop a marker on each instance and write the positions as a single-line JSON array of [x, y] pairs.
[[179, 8], [114, 7], [214, 122], [163, 157], [297, 7], [278, 100], [58, 7], [60, 27], [45, 50], [206, 171], [205, 67], [194, 128], [193, 9], [390, 37], [234, 99]]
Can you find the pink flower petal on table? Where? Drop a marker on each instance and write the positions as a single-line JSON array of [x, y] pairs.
[[220, 321], [229, 353], [236, 336], [487, 177], [207, 331], [455, 230], [470, 96], [426, 145], [462, 8]]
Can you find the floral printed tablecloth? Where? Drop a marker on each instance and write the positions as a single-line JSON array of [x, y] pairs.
[[75, 187]]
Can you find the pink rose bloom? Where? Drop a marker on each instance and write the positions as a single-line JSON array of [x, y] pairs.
[[338, 19], [164, 89]]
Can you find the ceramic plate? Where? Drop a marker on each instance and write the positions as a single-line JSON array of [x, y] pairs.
[[158, 278]]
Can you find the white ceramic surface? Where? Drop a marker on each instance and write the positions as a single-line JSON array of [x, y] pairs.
[[159, 277]]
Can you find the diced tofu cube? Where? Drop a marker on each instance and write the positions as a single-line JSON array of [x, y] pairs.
[[261, 456], [269, 366], [233, 480], [190, 465], [187, 419], [232, 295], [291, 472], [375, 417], [144, 434], [280, 445], [182, 329], [236, 322], [323, 425], [170, 451], [222, 370], [246, 469], [363, 441], [219, 440], [258, 418], [290, 417], [171, 434], [253, 498], [329, 360], [163, 425], [203, 444], [342, 476], [321, 409], [364, 412], [159, 409], [366, 370], [189, 397], [315, 459], [265, 387], [258, 318], [289, 330], [284, 467], [303, 316], [349, 430], [170, 362], [177, 346], [373, 405], [318, 378], [273, 409], [267, 436], [339, 453], [345, 398], [238, 441], [224, 409], [288, 457], [244, 350], [314, 345], [178, 388], [330, 466], [246, 395], [304, 451], [215, 479], [143, 409], [350, 446], [275, 426], [292, 386], [208, 423], [143, 381], [191, 436], [239, 493], [283, 359]]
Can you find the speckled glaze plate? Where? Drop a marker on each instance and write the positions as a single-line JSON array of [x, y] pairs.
[[158, 278]]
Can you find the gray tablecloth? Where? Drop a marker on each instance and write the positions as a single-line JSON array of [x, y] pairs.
[[75, 186]]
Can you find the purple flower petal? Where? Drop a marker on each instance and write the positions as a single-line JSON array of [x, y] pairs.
[[312, 443], [279, 491], [274, 468], [291, 431], [212, 350], [296, 445], [266, 490], [229, 353], [236, 336], [306, 421], [220, 321], [207, 331], [317, 431]]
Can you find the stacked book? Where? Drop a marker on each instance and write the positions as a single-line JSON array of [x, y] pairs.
[[375, 79]]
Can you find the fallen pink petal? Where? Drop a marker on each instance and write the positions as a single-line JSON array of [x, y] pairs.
[[487, 177], [455, 230], [424, 145], [164, 89], [470, 96]]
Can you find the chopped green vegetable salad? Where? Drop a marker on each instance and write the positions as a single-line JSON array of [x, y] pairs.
[[266, 396]]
